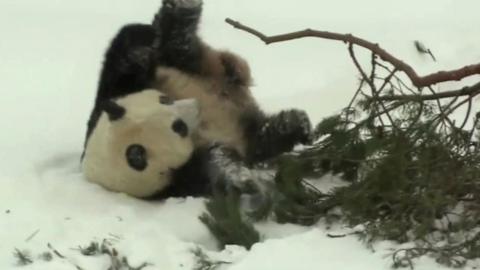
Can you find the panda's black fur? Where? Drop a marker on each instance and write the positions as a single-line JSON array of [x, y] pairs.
[[171, 40]]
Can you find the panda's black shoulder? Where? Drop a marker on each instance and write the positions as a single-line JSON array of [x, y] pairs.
[[129, 62], [191, 179]]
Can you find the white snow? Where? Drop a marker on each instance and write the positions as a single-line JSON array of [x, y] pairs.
[[50, 56]]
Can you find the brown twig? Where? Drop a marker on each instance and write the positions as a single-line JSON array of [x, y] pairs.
[[440, 108], [371, 83], [336, 235], [418, 81], [467, 115], [354, 98], [387, 80], [398, 80], [465, 91]]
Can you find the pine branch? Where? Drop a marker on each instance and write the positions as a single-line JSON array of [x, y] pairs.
[[23, 257], [204, 262], [117, 262], [226, 222], [409, 173]]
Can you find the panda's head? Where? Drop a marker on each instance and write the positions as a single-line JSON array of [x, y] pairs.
[[139, 140]]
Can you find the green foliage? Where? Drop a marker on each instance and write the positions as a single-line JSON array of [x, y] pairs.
[[411, 168], [294, 202], [22, 257], [226, 221], [105, 248]]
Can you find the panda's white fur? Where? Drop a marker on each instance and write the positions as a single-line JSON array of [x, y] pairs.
[[146, 122]]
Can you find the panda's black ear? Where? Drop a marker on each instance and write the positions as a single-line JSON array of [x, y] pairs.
[[113, 110]]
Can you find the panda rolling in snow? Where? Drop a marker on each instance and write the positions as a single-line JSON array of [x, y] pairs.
[[174, 117]]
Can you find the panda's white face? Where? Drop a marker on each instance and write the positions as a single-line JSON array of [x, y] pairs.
[[139, 140]]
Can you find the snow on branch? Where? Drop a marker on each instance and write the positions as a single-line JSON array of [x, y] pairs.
[[418, 81]]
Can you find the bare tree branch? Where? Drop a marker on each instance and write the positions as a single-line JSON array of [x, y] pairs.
[[371, 83], [465, 91], [418, 81]]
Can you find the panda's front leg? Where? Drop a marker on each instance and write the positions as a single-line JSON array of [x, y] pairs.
[[228, 174], [176, 38], [279, 133]]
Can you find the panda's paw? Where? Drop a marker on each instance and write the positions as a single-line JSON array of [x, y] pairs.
[[295, 124], [182, 4], [189, 3], [180, 18], [255, 194]]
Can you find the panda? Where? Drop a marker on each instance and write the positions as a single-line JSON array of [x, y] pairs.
[[175, 117]]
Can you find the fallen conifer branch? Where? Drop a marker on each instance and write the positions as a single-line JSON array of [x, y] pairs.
[[414, 171]]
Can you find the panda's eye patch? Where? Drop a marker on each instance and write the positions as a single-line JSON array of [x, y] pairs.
[[180, 128], [166, 100], [136, 157]]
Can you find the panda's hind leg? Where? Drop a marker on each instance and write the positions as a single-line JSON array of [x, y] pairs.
[[176, 42]]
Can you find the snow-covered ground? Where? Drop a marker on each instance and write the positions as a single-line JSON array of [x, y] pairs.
[[50, 55]]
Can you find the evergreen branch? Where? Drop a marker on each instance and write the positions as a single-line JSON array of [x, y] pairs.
[[204, 262], [416, 118], [404, 185], [226, 222], [117, 262], [418, 81], [23, 257], [454, 255]]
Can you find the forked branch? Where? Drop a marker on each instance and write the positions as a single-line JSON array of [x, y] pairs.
[[418, 81]]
